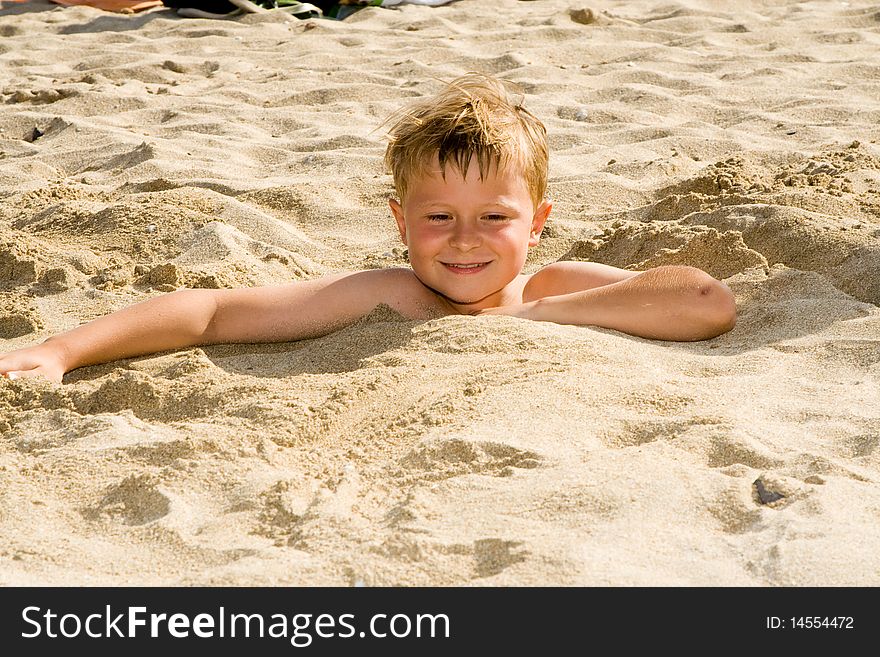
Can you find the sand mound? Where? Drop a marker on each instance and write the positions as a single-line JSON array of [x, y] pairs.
[[141, 154]]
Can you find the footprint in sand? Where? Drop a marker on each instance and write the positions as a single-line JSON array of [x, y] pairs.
[[442, 459], [135, 500], [492, 555]]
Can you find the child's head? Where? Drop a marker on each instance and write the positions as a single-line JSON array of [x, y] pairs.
[[470, 168], [472, 118]]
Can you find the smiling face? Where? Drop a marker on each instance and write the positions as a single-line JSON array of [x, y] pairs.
[[468, 238]]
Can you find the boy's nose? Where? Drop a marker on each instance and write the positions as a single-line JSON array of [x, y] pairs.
[[464, 236]]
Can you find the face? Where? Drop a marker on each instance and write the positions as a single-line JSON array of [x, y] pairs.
[[468, 238]]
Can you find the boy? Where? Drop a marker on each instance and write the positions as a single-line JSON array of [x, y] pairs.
[[470, 170]]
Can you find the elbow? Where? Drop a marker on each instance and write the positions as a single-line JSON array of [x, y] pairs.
[[719, 308], [203, 305]]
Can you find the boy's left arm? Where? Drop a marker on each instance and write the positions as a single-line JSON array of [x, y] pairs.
[[671, 302]]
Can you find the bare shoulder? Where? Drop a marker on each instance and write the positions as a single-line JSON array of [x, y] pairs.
[[405, 293], [569, 276], [397, 287]]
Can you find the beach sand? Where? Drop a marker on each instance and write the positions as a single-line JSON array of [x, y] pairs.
[[462, 450]]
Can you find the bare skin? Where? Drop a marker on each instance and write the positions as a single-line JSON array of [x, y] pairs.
[[468, 239]]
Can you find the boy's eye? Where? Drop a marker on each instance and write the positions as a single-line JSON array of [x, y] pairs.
[[488, 217]]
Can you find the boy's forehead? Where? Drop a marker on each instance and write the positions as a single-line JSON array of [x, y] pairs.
[[430, 171]]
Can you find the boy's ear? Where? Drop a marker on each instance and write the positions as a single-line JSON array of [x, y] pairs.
[[397, 211], [538, 221]]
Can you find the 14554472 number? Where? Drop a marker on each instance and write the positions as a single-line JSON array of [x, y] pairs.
[[810, 623]]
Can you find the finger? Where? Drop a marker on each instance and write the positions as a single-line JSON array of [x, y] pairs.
[[8, 364], [28, 374], [19, 363]]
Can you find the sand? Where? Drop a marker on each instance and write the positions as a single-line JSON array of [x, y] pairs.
[[462, 450]]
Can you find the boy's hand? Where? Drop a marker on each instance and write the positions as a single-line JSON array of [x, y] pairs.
[[39, 360]]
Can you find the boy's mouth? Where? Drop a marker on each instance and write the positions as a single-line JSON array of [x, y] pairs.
[[466, 267]]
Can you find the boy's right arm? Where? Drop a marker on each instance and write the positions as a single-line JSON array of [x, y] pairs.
[[305, 309]]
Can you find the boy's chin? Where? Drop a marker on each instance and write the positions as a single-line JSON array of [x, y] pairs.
[[452, 293], [464, 298], [458, 297], [461, 302]]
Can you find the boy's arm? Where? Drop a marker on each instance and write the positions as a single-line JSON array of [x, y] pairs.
[[186, 318], [307, 309], [665, 303]]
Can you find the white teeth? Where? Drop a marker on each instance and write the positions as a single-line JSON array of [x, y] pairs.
[[479, 264]]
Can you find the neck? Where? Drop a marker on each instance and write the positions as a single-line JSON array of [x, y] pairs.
[[457, 307]]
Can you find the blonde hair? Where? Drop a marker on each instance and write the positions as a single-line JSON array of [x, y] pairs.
[[472, 116]]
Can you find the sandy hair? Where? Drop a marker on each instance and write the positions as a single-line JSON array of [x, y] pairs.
[[472, 116]]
